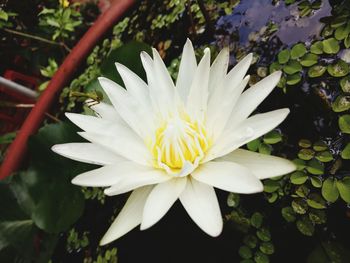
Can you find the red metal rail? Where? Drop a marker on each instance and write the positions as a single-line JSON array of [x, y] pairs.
[[17, 150]]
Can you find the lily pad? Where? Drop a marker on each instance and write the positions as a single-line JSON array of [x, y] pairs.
[[345, 84], [341, 103], [304, 143], [342, 32], [288, 214], [344, 188], [330, 46], [316, 201], [306, 154], [298, 51], [324, 156], [338, 69], [316, 71], [320, 146], [283, 56], [317, 48], [316, 181], [292, 67], [272, 137], [315, 167], [309, 60], [293, 79], [345, 154], [344, 123], [298, 177], [305, 226], [275, 66], [329, 190]]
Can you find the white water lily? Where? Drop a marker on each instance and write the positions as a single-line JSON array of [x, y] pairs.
[[166, 142]]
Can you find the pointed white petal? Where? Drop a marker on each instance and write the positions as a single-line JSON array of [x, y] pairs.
[[218, 69], [106, 111], [124, 143], [132, 112], [135, 86], [228, 176], [253, 96], [202, 205], [245, 132], [198, 95], [188, 66], [135, 179], [129, 217], [101, 177], [87, 153], [261, 165], [218, 116], [162, 197]]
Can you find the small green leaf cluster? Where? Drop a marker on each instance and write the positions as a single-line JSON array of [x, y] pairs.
[[92, 193], [305, 7], [264, 144], [48, 72], [75, 241], [107, 256], [6, 17], [60, 23]]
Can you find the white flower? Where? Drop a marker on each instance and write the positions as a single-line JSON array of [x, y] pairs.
[[167, 142]]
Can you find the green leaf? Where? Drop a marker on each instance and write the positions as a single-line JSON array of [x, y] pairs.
[[298, 51], [320, 146], [256, 220], [283, 56], [338, 69], [330, 46], [304, 143], [293, 79], [305, 226], [292, 67], [298, 177], [328, 252], [317, 48], [324, 157], [316, 71], [302, 191], [345, 84], [344, 123], [329, 190], [233, 200], [309, 60], [267, 248], [300, 164], [261, 258], [345, 154], [342, 32], [263, 234], [275, 66], [316, 201], [288, 214], [318, 216], [265, 148], [7, 137], [344, 188], [299, 206], [347, 42], [341, 103], [339, 21], [315, 167], [250, 241], [272, 137], [245, 252], [254, 145], [3, 15], [271, 186], [316, 181], [306, 154]]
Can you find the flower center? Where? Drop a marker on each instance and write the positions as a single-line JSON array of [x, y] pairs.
[[179, 140]]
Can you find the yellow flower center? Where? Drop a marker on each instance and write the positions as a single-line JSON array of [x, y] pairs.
[[179, 140]]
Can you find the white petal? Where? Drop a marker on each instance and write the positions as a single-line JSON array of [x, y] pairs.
[[87, 152], [132, 112], [202, 205], [94, 124], [135, 86], [162, 197], [253, 96], [261, 165], [218, 115], [135, 179], [106, 111], [187, 69], [124, 143], [228, 176], [198, 95], [101, 177], [218, 69], [246, 131], [129, 217]]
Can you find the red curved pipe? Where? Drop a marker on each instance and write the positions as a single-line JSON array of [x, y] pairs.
[[17, 150]]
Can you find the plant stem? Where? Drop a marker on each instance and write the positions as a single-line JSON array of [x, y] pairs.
[[37, 38]]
